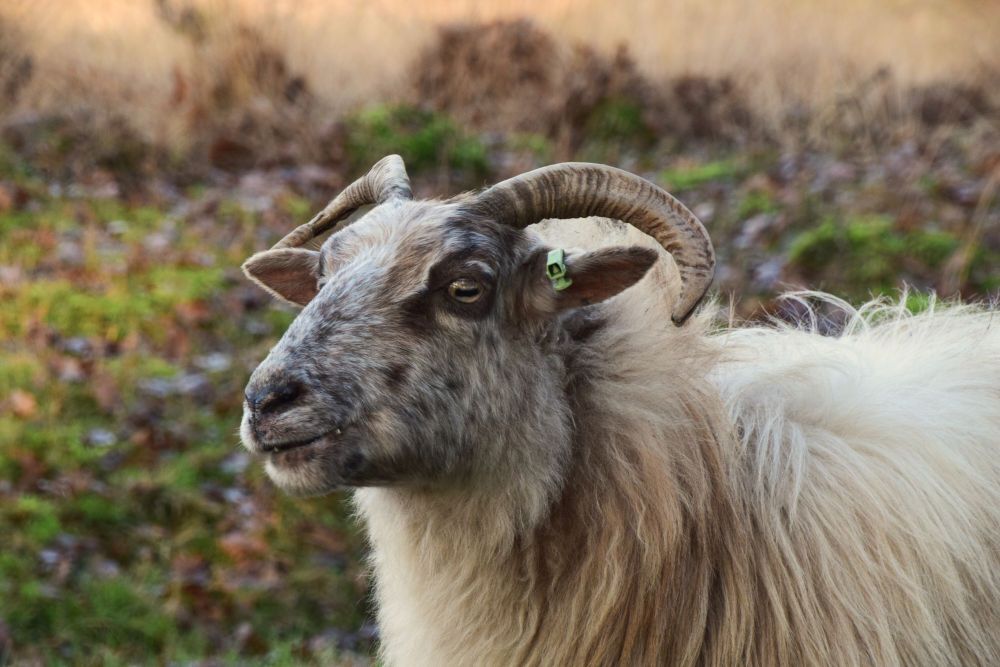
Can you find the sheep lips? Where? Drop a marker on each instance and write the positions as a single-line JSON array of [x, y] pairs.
[[337, 457]]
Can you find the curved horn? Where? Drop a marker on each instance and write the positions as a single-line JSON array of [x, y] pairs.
[[386, 180], [580, 189]]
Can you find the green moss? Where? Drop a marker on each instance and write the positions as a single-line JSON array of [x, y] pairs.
[[614, 126], [426, 140], [37, 517], [126, 370], [12, 165], [867, 253], [170, 285], [21, 250], [280, 318], [535, 144], [297, 208], [112, 613], [19, 370], [754, 203], [67, 309], [120, 615], [692, 177], [231, 211], [12, 220], [618, 119], [932, 247], [100, 513], [918, 302], [107, 210], [51, 214], [55, 445], [110, 313], [181, 472]]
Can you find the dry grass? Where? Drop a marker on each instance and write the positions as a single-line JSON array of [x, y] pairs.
[[156, 65]]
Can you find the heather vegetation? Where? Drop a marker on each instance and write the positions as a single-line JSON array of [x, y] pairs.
[[135, 528]]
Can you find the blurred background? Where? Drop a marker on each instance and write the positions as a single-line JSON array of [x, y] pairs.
[[148, 146]]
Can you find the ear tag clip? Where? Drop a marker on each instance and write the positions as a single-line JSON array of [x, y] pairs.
[[555, 269]]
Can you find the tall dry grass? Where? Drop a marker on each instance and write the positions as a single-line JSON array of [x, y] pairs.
[[138, 58]]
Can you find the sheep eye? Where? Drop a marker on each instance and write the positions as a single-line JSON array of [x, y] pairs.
[[465, 290]]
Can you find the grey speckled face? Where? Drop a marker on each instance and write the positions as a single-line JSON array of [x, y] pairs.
[[418, 350], [372, 382]]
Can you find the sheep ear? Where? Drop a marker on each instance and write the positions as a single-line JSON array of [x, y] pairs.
[[586, 277], [290, 274]]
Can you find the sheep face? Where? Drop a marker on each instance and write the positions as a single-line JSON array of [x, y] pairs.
[[427, 351]]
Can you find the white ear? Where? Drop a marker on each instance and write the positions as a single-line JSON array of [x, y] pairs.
[[290, 274]]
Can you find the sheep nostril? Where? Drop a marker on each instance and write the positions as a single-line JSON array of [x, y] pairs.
[[273, 398]]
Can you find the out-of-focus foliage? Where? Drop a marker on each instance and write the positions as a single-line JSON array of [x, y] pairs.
[[134, 525], [135, 528], [425, 139]]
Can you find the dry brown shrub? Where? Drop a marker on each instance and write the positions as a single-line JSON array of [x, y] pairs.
[[512, 76], [704, 107], [589, 80], [497, 76], [958, 103], [74, 145], [241, 103], [16, 65], [232, 84], [878, 110]]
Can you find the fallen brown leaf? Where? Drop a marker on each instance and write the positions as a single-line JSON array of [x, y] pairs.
[[22, 404]]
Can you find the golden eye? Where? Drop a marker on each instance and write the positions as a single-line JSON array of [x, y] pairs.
[[465, 290]]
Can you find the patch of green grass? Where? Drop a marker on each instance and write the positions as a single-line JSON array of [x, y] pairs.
[[20, 249], [12, 165], [72, 312], [686, 178], [867, 253], [616, 125], [918, 302], [618, 120], [231, 211], [12, 220], [279, 319], [127, 370], [55, 446], [117, 614], [99, 513], [170, 285], [425, 139], [754, 203], [297, 208], [113, 312], [535, 144], [19, 370], [983, 271], [51, 214], [37, 517]]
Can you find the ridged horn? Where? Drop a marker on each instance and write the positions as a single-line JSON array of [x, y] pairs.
[[386, 180], [581, 189]]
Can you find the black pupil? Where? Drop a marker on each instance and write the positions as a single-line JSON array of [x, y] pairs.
[[466, 292]]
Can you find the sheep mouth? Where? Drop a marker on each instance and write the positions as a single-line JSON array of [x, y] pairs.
[[291, 445]]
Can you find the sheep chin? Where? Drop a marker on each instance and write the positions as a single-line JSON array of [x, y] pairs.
[[301, 477]]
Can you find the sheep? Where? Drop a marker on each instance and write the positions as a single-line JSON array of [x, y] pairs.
[[557, 463]]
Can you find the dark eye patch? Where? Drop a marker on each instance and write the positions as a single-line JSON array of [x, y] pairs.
[[457, 267], [448, 270], [420, 306]]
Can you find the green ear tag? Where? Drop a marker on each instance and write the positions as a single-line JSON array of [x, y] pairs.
[[555, 269]]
